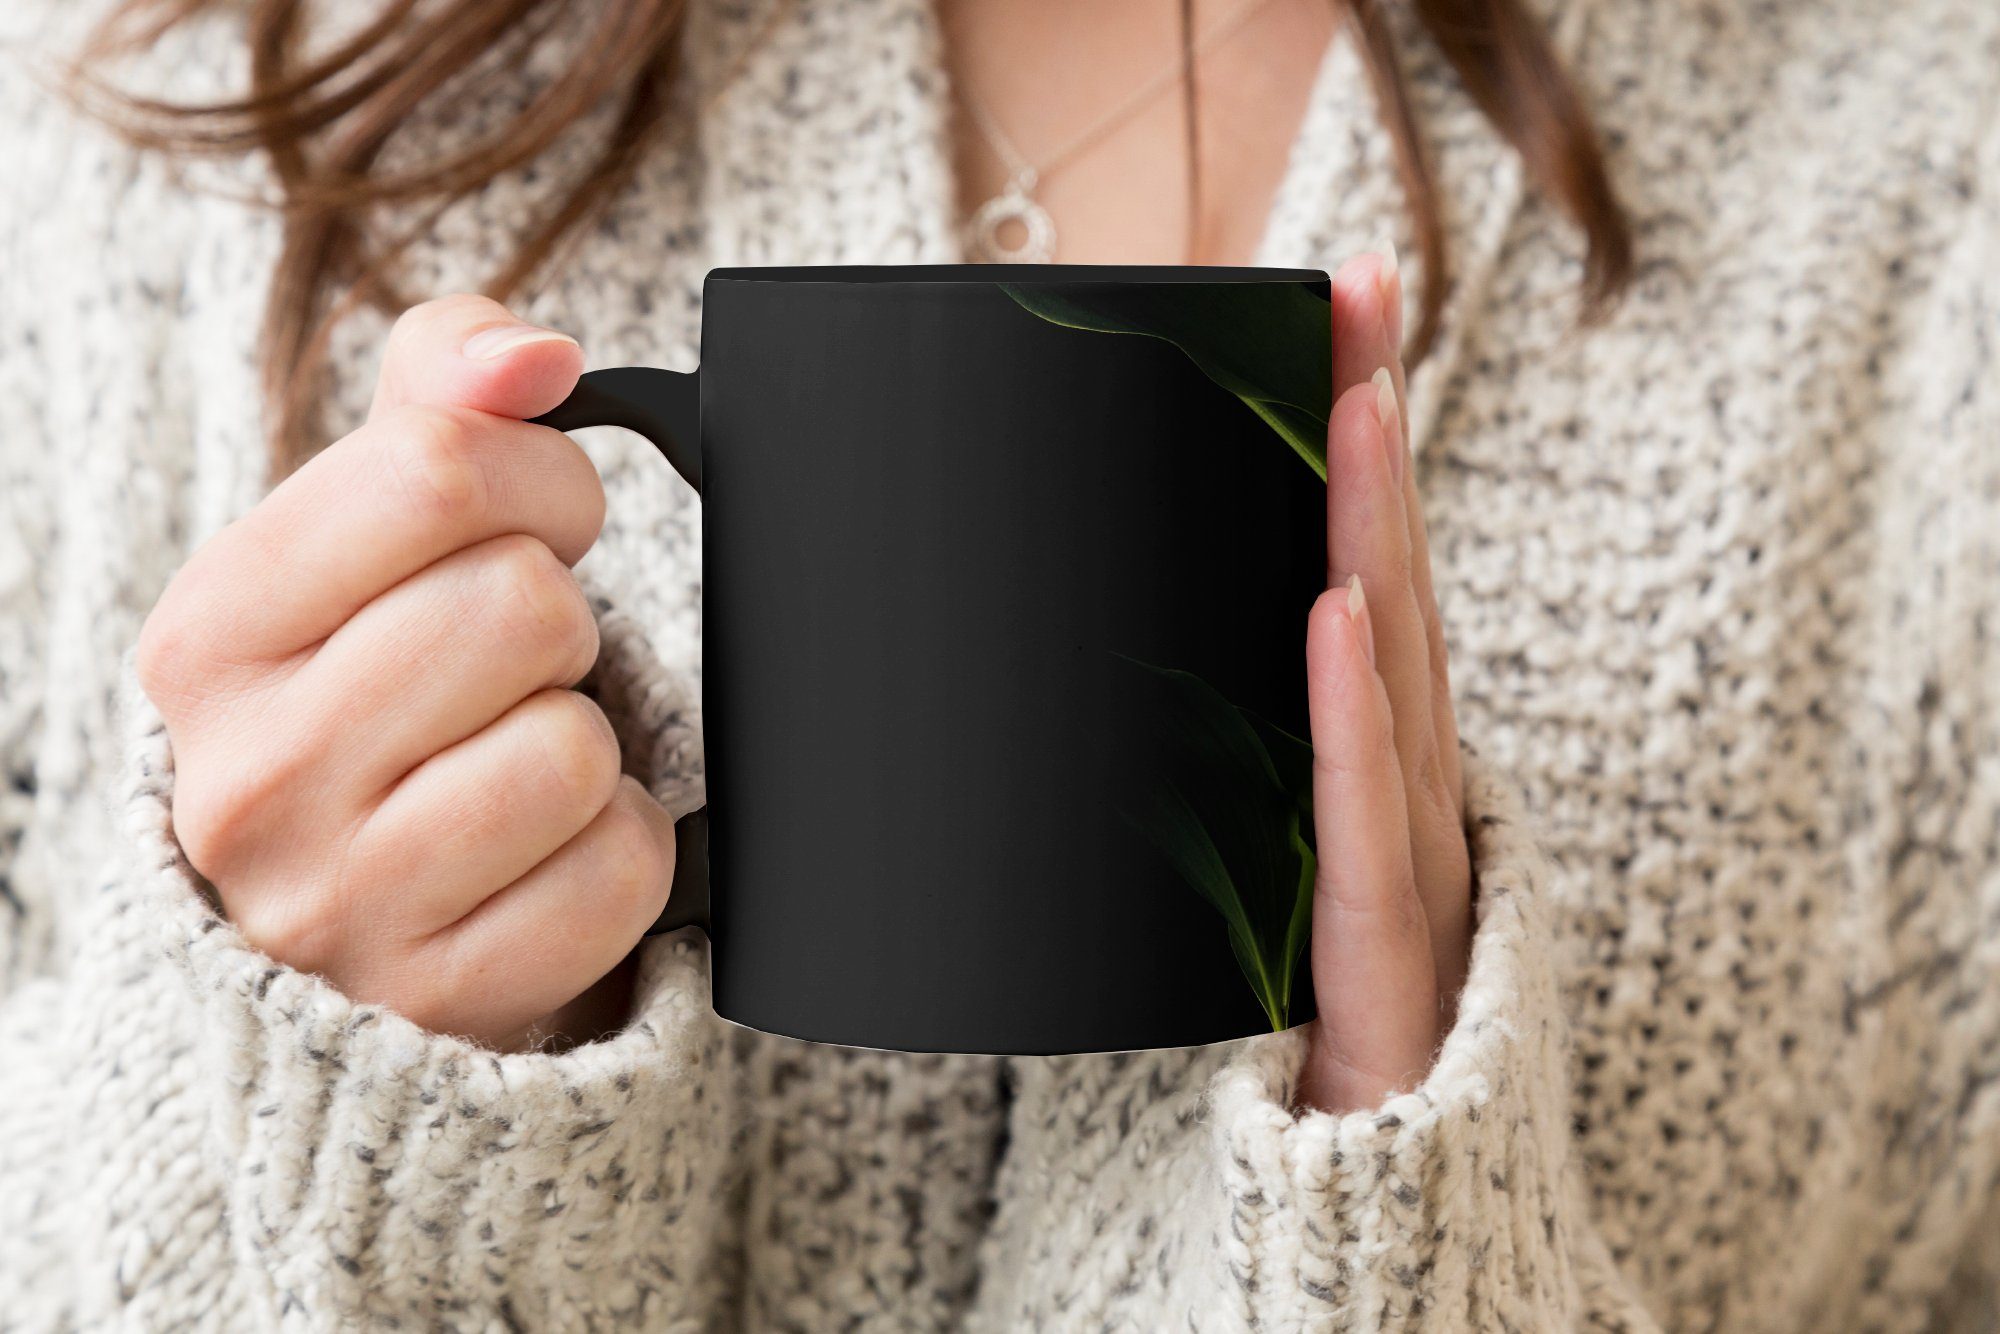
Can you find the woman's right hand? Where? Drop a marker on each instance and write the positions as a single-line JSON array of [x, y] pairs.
[[380, 764]]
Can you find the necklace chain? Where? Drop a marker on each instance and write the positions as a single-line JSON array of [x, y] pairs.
[[1016, 202]]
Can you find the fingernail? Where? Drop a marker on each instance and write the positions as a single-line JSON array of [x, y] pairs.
[[491, 344], [1357, 615], [1390, 411], [1389, 283]]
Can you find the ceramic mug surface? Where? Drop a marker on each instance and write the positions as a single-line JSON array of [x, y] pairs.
[[1006, 576]]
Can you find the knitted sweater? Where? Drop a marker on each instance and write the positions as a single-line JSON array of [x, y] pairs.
[[1720, 584]]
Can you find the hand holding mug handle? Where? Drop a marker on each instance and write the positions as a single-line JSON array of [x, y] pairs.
[[665, 408]]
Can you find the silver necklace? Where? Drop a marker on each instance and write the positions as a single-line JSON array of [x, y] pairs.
[[1016, 202]]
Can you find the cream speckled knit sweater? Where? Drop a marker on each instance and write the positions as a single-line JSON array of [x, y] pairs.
[[1720, 580]]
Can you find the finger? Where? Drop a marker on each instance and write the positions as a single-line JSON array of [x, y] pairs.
[[1368, 335], [1367, 319], [411, 487], [437, 658], [1368, 306], [1444, 718], [471, 352], [1368, 535], [1373, 975], [481, 814], [1444, 721], [1373, 299], [543, 940], [443, 462]]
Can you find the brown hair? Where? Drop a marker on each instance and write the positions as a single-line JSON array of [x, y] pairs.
[[323, 122]]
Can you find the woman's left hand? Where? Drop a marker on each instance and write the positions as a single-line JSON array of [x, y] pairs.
[[1392, 908]]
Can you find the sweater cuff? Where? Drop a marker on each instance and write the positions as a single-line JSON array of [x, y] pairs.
[[375, 1170], [1445, 1207]]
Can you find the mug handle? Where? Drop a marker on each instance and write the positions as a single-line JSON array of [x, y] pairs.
[[665, 407]]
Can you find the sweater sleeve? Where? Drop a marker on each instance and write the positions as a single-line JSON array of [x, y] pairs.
[[24, 498], [27, 502], [1184, 1180], [192, 1134]]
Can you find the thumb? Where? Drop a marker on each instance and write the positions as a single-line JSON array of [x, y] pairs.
[[472, 352]]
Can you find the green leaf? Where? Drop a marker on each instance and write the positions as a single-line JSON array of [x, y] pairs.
[[1270, 344], [1227, 814], [1298, 932], [1291, 758], [1163, 815]]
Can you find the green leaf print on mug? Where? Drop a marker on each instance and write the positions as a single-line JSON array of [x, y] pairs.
[[1228, 804], [1269, 344], [1224, 795]]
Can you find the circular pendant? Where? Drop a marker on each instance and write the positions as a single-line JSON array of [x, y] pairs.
[[1038, 230]]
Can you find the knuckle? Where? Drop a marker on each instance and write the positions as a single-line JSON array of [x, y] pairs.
[[1378, 751], [1392, 913], [178, 642], [217, 820], [1400, 569], [424, 997], [420, 323], [544, 611], [435, 327], [409, 327], [636, 865], [1432, 790], [1405, 914], [208, 828], [1363, 755], [579, 752], [165, 652], [433, 458], [295, 929], [228, 807]]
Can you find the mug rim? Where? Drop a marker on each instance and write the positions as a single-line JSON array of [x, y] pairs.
[[1017, 274]]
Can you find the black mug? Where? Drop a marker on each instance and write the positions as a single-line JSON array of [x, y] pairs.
[[1006, 576]]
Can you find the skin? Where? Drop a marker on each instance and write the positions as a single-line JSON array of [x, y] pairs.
[[1048, 72], [1393, 907], [384, 773], [468, 855]]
